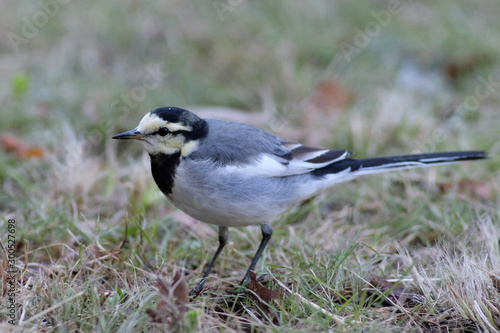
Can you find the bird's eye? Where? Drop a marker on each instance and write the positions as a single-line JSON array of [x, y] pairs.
[[163, 131]]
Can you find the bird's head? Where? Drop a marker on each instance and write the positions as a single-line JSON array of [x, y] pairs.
[[168, 131]]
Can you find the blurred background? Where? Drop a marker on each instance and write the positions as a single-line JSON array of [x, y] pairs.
[[366, 66], [374, 77]]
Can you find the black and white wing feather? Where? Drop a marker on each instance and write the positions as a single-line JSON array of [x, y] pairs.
[[298, 160]]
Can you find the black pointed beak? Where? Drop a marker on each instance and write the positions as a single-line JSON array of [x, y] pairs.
[[132, 134]]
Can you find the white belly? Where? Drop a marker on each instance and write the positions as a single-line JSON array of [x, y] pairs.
[[227, 199]]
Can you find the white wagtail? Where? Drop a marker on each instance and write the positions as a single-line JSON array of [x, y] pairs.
[[235, 175]]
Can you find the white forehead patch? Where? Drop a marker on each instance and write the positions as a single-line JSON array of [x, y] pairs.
[[151, 123]]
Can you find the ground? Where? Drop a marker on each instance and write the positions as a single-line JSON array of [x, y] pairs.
[[91, 245]]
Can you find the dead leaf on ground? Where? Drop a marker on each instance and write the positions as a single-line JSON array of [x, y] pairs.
[[329, 97], [261, 295], [11, 144], [471, 188], [328, 100], [173, 300], [456, 68]]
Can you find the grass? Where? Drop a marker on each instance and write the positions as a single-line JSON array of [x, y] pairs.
[[93, 232]]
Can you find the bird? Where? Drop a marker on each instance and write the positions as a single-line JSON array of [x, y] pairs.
[[231, 174]]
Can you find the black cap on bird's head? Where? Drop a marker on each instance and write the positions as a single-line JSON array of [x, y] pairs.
[[173, 114]]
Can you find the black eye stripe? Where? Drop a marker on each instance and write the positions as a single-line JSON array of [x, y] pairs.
[[167, 131]]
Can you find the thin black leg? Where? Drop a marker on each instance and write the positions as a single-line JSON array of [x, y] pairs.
[[223, 236], [267, 232]]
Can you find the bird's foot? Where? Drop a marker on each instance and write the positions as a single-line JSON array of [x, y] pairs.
[[198, 289]]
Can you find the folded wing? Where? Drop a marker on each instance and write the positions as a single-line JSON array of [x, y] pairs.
[[298, 160]]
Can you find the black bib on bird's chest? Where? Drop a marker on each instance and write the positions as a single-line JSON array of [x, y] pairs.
[[163, 169]]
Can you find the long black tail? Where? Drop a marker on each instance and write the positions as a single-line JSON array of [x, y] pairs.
[[383, 164]]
